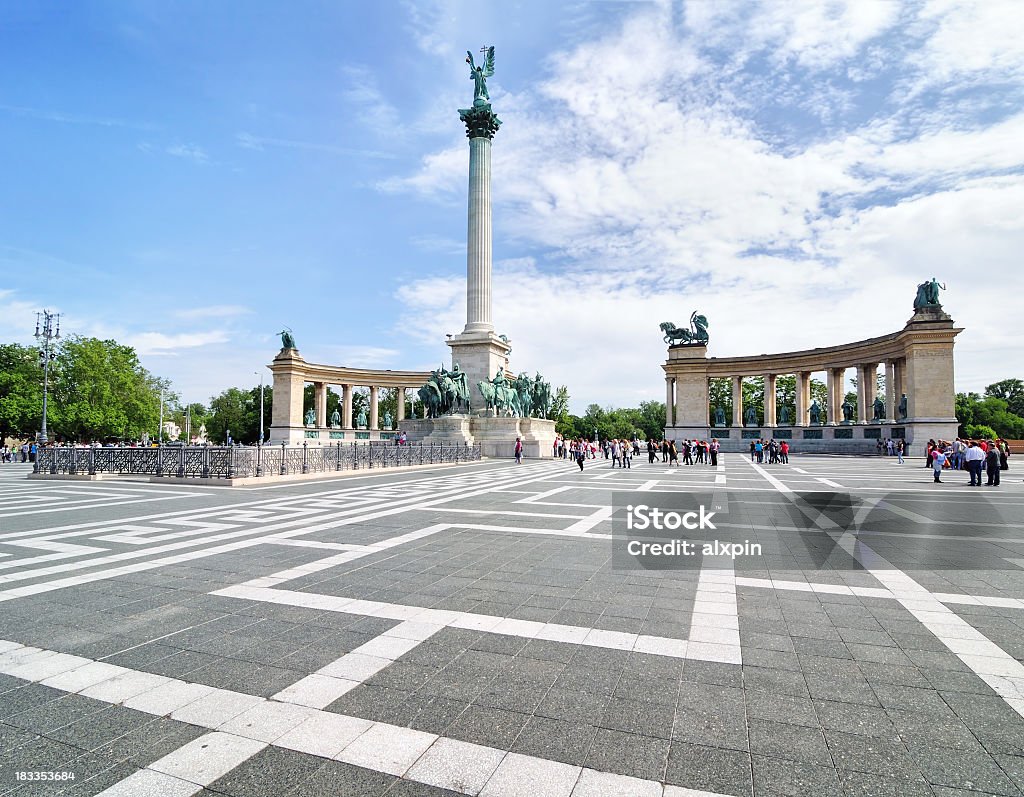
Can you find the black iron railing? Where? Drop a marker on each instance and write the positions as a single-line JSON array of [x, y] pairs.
[[227, 462]]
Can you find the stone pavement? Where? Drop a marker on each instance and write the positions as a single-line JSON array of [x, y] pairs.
[[462, 630]]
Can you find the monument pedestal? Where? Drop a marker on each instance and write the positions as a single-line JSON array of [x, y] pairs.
[[480, 355], [538, 436], [446, 429]]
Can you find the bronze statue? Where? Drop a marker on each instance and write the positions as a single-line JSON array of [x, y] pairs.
[[750, 416], [719, 416], [310, 417], [361, 420], [287, 340], [903, 407], [696, 335], [879, 407], [848, 410], [335, 418], [783, 415], [479, 75], [815, 413], [928, 294]]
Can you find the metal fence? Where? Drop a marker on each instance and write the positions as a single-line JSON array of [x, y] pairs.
[[234, 462]]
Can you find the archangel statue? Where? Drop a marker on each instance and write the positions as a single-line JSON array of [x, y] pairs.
[[287, 340], [479, 75], [928, 294]]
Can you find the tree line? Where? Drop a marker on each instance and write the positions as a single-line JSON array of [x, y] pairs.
[[100, 391]]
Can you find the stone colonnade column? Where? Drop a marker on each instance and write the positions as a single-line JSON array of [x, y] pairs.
[[400, 398], [769, 399], [373, 406], [891, 401], [870, 390], [835, 380], [803, 397], [346, 406], [481, 125], [900, 371], [320, 403], [669, 400], [737, 401]]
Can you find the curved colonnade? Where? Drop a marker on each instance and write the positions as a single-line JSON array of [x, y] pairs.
[[918, 362]]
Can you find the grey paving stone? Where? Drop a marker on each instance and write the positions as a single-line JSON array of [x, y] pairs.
[[782, 777], [710, 769], [628, 754], [269, 773], [492, 727], [557, 740], [793, 742]]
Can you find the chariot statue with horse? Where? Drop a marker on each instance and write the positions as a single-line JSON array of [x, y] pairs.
[[696, 335]]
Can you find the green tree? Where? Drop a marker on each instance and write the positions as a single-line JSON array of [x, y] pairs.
[[235, 410], [1011, 391], [652, 420], [100, 390], [21, 391], [978, 431], [559, 411]]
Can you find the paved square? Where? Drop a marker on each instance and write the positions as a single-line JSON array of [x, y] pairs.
[[463, 630]]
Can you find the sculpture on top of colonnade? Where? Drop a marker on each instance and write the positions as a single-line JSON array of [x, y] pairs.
[[696, 335]]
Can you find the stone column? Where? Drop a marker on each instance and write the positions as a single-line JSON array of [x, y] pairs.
[[481, 125], [669, 401], [835, 379], [861, 395], [346, 408], [320, 404], [769, 399], [803, 397], [870, 391], [289, 383], [737, 401], [681, 399], [400, 396], [373, 407], [891, 398]]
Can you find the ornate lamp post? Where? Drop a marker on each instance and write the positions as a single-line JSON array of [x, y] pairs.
[[259, 441], [49, 331]]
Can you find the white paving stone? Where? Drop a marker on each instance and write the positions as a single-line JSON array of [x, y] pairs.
[[207, 758], [355, 666], [123, 687], [83, 677], [459, 766], [518, 775], [316, 690], [324, 734], [169, 697], [150, 783], [387, 748], [267, 721], [216, 708]]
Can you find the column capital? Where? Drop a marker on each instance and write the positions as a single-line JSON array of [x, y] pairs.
[[480, 120]]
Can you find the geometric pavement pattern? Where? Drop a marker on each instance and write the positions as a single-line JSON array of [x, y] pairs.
[[462, 630]]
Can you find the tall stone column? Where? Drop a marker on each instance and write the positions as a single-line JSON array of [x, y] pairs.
[[669, 401], [835, 383], [737, 401], [769, 399], [373, 407], [289, 383], [346, 409], [478, 254], [400, 397], [803, 397], [891, 399], [477, 349], [320, 403]]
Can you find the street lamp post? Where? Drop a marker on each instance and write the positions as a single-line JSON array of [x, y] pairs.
[[160, 432], [260, 441], [49, 331]]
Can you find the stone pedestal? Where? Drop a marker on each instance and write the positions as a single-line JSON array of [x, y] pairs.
[[496, 436], [446, 429], [480, 355], [538, 435]]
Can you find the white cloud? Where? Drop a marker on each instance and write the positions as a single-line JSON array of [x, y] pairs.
[[260, 143], [153, 343], [192, 152], [213, 311]]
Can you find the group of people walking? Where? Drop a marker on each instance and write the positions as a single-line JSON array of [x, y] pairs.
[[26, 452], [688, 452], [774, 452], [974, 456]]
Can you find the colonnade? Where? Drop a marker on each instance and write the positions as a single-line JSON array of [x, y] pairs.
[[831, 414], [347, 393]]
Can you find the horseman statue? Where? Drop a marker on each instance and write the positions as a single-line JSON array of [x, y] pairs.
[[696, 335], [445, 392]]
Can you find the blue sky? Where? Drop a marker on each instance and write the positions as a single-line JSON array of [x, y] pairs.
[[191, 177]]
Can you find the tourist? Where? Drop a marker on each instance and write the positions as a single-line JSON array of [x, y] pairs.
[[759, 450], [519, 451], [938, 460], [652, 451], [784, 452], [753, 450], [992, 464], [627, 455], [673, 455], [687, 453], [900, 446], [713, 453], [1004, 453], [580, 455], [664, 450], [973, 457]]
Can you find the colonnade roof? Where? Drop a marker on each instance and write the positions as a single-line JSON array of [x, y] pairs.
[[343, 375], [870, 351]]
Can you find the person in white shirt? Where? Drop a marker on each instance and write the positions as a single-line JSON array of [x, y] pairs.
[[938, 460]]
